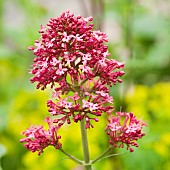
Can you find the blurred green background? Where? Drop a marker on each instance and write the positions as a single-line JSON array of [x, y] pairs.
[[139, 34]]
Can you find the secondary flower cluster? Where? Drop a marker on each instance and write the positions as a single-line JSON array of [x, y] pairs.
[[72, 59], [37, 138], [88, 107], [127, 132]]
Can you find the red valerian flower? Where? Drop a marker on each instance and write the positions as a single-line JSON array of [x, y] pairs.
[[69, 46], [37, 138], [127, 132], [72, 57]]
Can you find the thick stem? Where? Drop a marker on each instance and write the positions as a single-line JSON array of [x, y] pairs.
[[87, 163]]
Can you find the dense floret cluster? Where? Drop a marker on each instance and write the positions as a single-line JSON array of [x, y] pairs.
[[37, 138], [125, 129]]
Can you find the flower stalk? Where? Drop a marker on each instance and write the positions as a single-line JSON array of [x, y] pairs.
[[72, 157], [102, 155], [85, 147]]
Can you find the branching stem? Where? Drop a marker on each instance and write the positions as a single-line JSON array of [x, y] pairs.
[[72, 157]]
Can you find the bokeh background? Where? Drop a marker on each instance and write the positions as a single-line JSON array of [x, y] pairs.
[[139, 34]]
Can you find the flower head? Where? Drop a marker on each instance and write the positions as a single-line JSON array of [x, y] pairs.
[[37, 138], [127, 132], [68, 46], [72, 57]]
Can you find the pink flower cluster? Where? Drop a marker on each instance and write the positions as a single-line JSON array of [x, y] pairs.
[[88, 108], [69, 47], [71, 57], [72, 60], [37, 138], [127, 132]]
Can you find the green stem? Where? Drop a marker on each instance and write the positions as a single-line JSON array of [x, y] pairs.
[[101, 157], [72, 157], [81, 83], [87, 163], [103, 154]]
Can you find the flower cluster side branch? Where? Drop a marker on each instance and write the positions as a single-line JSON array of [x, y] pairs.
[[72, 60], [72, 157]]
